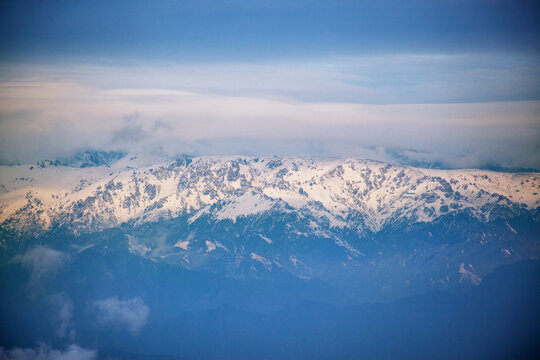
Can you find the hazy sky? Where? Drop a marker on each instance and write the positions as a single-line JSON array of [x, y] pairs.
[[450, 81]]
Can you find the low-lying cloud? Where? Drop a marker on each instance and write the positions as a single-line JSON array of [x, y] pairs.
[[42, 262], [130, 314], [45, 352]]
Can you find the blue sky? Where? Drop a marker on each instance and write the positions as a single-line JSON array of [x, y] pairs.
[[460, 80], [211, 31]]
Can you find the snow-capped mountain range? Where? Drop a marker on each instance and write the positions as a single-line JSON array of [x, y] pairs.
[[361, 194], [312, 217]]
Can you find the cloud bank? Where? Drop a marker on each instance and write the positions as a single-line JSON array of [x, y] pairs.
[[130, 314], [463, 110], [45, 352]]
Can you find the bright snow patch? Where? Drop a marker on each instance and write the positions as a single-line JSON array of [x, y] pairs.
[[182, 244], [467, 275], [210, 246], [248, 204], [261, 259], [511, 228], [269, 241]]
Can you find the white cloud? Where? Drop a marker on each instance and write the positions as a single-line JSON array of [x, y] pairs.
[[42, 262], [45, 352], [130, 314]]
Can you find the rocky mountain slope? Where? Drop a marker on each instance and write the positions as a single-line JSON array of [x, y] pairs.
[[361, 194]]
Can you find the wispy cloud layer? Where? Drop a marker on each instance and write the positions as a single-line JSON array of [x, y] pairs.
[[427, 104], [367, 79]]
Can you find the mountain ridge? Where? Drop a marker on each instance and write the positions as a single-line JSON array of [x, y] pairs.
[[358, 223], [337, 189]]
